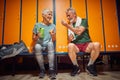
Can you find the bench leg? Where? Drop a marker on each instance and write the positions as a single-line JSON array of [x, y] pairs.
[[83, 63], [13, 66], [56, 67]]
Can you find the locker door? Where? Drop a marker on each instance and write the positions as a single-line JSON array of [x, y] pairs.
[[61, 31], [12, 21], [95, 22], [111, 25], [80, 7], [28, 20], [1, 19], [43, 4]]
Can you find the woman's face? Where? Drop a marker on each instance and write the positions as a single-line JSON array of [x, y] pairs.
[[48, 16]]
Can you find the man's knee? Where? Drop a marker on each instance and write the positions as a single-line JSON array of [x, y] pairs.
[[89, 48], [97, 45], [93, 46], [70, 45]]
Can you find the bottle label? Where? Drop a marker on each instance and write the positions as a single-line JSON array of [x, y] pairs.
[[41, 30]]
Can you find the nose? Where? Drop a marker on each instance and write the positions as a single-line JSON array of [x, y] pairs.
[[68, 18]]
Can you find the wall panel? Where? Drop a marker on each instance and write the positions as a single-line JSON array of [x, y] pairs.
[[44, 4], [1, 19], [28, 20], [12, 22], [29, 17], [80, 7], [111, 25], [95, 21], [61, 31]]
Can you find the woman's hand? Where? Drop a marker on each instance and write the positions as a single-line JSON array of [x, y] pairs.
[[52, 33], [35, 37]]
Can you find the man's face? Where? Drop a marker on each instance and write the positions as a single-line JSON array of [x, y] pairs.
[[48, 16], [71, 16]]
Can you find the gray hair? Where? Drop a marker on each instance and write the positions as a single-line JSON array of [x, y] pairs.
[[45, 11], [72, 10]]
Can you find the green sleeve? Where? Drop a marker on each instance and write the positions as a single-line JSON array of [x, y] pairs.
[[84, 23]]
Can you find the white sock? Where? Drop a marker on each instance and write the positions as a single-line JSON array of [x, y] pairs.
[[75, 63], [91, 62]]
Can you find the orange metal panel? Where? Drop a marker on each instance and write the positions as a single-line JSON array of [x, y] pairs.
[[95, 21], [61, 31], [1, 18], [28, 20], [12, 25], [80, 7], [111, 25], [44, 4]]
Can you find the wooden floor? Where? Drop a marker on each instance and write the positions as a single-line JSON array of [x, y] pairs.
[[113, 75], [28, 72]]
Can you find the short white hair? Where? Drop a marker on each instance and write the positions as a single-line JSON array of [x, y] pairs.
[[71, 9], [45, 11]]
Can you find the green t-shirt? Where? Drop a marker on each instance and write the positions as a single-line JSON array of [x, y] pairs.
[[84, 37], [47, 28]]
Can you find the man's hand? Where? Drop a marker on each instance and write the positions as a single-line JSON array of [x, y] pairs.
[[64, 23], [70, 37], [67, 25]]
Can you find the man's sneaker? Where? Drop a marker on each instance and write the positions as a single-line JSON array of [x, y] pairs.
[[76, 70], [42, 74], [13, 50], [91, 70], [52, 74]]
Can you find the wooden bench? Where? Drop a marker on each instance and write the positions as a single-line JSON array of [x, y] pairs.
[[57, 55]]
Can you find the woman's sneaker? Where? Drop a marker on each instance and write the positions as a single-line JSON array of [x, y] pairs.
[[52, 74], [42, 74]]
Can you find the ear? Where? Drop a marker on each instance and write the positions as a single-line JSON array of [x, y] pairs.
[[43, 15], [75, 15]]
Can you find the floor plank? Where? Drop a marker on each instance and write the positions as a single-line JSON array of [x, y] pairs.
[[112, 75]]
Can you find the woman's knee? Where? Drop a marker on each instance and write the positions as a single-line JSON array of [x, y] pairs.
[[50, 46], [38, 48]]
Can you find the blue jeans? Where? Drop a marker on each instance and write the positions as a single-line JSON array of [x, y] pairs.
[[39, 56]]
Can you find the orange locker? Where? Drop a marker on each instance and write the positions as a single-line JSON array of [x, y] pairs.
[[61, 31], [95, 21], [1, 19], [44, 4], [28, 20], [111, 25], [41, 5], [80, 7], [12, 22]]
